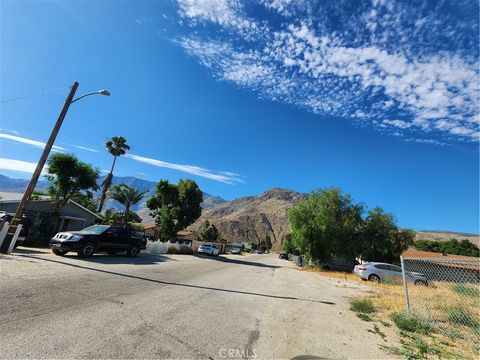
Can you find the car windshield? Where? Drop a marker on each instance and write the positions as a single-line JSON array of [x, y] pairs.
[[96, 229]]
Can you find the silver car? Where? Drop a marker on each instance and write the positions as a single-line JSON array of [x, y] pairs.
[[376, 271]]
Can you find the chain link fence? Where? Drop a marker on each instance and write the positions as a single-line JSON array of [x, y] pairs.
[[445, 293]]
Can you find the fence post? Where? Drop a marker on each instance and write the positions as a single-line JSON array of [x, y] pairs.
[[405, 287], [3, 232], [15, 238]]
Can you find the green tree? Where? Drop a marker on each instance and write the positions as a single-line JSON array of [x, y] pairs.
[[268, 242], [86, 199], [69, 177], [326, 224], [207, 232], [175, 207], [288, 245], [452, 246], [116, 146], [253, 246], [126, 195], [381, 239]]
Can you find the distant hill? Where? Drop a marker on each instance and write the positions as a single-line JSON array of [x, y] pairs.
[[442, 235], [248, 218], [9, 185], [252, 218]]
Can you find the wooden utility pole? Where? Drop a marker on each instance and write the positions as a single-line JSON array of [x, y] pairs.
[[38, 170]]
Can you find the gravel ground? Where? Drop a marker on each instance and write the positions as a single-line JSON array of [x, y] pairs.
[[179, 306]]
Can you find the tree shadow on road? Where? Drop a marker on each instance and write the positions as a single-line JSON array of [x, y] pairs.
[[199, 287], [236, 261]]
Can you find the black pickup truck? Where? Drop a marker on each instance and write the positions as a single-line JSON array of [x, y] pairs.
[[99, 238]]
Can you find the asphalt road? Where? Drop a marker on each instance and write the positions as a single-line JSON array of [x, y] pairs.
[[177, 307]]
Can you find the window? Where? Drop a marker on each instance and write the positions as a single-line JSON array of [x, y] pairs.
[[395, 268], [382, 267]]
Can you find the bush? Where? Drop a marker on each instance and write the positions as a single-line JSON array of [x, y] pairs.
[[411, 323], [185, 250], [362, 305], [173, 250], [182, 250]]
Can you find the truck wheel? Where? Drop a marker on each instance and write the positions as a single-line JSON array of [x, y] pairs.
[[86, 251], [59, 252], [133, 251]]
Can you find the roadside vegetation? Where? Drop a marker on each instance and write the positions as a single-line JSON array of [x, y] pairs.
[[453, 246], [329, 224]]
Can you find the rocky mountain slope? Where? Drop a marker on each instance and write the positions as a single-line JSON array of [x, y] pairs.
[[441, 235], [252, 218]]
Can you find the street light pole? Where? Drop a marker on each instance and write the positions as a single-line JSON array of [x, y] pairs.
[[38, 170]]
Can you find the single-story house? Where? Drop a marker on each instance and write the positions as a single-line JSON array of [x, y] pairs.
[[70, 217], [443, 267]]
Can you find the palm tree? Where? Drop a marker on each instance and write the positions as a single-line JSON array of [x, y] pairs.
[[127, 196], [117, 146]]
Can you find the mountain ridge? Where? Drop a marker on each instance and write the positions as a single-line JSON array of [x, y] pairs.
[[247, 218]]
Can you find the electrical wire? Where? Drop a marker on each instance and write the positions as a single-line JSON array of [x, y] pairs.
[[45, 92]]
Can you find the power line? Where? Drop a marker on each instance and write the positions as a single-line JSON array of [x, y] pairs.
[[45, 92]]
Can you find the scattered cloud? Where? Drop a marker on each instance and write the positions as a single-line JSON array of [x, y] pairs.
[[11, 131], [227, 178], [141, 20], [86, 148], [18, 165], [31, 142], [409, 67]]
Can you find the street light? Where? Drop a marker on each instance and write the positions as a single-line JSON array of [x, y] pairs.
[[100, 92], [41, 163]]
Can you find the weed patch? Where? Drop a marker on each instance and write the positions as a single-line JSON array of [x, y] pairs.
[[465, 290], [362, 305], [411, 324]]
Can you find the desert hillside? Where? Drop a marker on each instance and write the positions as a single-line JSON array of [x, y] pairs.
[[252, 218]]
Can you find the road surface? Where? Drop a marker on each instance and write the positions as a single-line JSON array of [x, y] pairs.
[[179, 306]]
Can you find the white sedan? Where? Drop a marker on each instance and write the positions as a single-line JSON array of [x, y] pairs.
[[208, 249]]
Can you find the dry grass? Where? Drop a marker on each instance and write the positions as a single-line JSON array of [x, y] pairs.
[[452, 311]]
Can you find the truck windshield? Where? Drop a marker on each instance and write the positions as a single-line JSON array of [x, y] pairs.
[[96, 229]]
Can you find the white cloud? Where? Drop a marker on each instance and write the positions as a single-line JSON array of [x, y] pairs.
[[27, 141], [86, 148], [398, 123], [227, 178], [18, 165], [390, 60]]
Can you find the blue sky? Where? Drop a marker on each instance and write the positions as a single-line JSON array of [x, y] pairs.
[[379, 98]]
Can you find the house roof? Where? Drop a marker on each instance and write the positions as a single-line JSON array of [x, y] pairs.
[[49, 200], [149, 226], [184, 233], [449, 260]]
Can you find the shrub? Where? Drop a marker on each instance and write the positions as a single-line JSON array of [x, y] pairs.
[[173, 250], [362, 305], [411, 323], [185, 250]]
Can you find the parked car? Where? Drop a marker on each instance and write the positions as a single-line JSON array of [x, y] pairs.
[[376, 271], [99, 238], [208, 249], [283, 256], [236, 251]]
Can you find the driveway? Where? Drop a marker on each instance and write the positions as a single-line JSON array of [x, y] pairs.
[[179, 306]]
